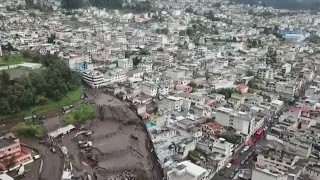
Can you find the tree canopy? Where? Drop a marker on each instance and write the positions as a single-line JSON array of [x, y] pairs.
[[53, 82], [142, 6]]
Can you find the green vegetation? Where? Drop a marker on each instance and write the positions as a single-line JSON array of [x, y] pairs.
[[143, 6], [273, 31], [27, 130], [39, 88], [70, 98], [15, 59], [231, 137], [266, 14], [271, 56], [198, 153], [84, 113], [162, 31], [254, 43], [227, 92], [314, 39], [210, 15], [250, 73], [136, 61]]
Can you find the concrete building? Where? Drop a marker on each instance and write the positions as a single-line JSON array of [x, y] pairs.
[[265, 73], [286, 68], [10, 149], [125, 64], [76, 62], [95, 79], [186, 170], [243, 122], [149, 89]]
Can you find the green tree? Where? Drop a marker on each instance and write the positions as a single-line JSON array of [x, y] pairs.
[[5, 77], [72, 4], [19, 7], [227, 92], [250, 73], [192, 84], [27, 130], [136, 61]]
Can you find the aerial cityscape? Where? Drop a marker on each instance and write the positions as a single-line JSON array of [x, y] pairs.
[[159, 90]]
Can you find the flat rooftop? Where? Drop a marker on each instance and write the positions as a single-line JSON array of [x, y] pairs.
[[5, 142]]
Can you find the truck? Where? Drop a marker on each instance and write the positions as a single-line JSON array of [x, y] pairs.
[[67, 109]]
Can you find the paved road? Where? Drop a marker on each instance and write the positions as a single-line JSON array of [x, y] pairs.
[[52, 162], [241, 157]]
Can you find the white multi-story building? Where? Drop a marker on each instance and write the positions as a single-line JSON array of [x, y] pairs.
[[150, 89], [243, 122], [163, 90], [195, 99], [94, 79], [286, 68], [186, 170], [125, 64], [115, 77], [265, 73], [286, 88], [266, 174], [146, 67]]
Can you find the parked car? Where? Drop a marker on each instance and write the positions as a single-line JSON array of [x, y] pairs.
[[222, 172], [246, 148], [53, 150], [229, 165], [250, 154], [42, 118], [237, 169], [231, 175], [234, 160]]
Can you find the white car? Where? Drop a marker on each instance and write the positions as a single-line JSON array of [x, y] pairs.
[[229, 165], [246, 148]]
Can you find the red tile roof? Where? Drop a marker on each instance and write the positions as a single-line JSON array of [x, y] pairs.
[[214, 126]]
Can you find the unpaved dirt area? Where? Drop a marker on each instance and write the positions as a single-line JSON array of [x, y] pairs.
[[106, 99], [117, 147]]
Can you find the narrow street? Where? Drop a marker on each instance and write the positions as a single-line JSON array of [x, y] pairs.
[[249, 164]]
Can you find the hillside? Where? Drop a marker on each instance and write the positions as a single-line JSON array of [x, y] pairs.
[[286, 4]]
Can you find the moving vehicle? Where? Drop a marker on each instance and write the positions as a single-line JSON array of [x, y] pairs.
[[228, 165], [242, 162]]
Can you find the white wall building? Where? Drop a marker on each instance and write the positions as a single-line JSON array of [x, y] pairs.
[[265, 73], [125, 64], [149, 89], [94, 79], [186, 170], [243, 122]]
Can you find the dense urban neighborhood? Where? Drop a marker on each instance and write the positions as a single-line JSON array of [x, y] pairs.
[[159, 90]]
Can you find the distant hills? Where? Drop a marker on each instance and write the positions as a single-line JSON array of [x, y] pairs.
[[285, 4]]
